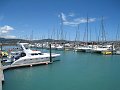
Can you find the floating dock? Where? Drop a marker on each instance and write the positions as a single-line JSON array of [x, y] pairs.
[[16, 66], [25, 65], [1, 76]]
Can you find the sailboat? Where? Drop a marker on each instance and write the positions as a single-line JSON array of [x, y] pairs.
[[103, 48], [85, 47], [117, 39]]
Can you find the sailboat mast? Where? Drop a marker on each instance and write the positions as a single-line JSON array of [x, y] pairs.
[[103, 31], [61, 27], [117, 34], [31, 37], [77, 37], [87, 30]]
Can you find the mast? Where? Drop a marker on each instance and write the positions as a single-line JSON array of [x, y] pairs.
[[77, 34], [31, 37], [90, 34], [57, 34], [87, 30], [48, 34], [53, 33], [69, 36], [117, 34], [102, 36], [103, 31], [65, 36], [61, 27]]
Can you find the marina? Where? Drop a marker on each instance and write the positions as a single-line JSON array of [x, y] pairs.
[[31, 58], [84, 63], [106, 54], [59, 45], [76, 70]]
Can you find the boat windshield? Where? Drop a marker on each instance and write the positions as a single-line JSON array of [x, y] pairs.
[[36, 54], [26, 46]]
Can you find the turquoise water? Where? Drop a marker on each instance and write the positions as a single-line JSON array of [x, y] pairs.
[[75, 71]]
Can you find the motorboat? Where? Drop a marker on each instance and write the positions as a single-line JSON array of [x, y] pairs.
[[28, 56]]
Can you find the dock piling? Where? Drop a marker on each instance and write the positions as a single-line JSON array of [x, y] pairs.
[[50, 53], [1, 76], [112, 48]]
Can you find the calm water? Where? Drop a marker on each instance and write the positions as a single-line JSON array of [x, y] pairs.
[[75, 71]]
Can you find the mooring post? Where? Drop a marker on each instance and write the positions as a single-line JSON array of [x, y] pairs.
[[50, 53], [1, 46], [112, 48], [42, 45], [1, 52], [64, 45]]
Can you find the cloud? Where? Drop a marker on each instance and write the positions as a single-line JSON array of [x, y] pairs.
[[8, 36], [67, 20], [71, 14], [92, 20], [6, 29], [63, 17]]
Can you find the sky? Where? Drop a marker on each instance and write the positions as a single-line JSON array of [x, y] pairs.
[[37, 19]]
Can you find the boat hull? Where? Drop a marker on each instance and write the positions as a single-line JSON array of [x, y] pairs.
[[34, 60]]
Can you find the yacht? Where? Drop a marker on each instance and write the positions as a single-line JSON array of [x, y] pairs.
[[86, 48], [59, 47], [117, 52], [102, 48], [28, 56]]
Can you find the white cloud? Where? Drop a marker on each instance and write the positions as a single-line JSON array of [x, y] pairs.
[[63, 16], [8, 36], [84, 20], [6, 29], [91, 19], [71, 14], [67, 20]]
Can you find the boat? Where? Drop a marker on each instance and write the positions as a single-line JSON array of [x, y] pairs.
[[59, 47], [28, 56], [86, 48], [103, 49], [53, 47], [3, 53], [107, 52], [117, 52]]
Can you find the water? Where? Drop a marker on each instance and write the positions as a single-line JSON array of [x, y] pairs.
[[75, 71]]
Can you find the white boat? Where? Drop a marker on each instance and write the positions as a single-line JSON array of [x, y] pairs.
[[83, 48], [28, 56], [59, 47], [53, 47], [102, 48], [117, 52]]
